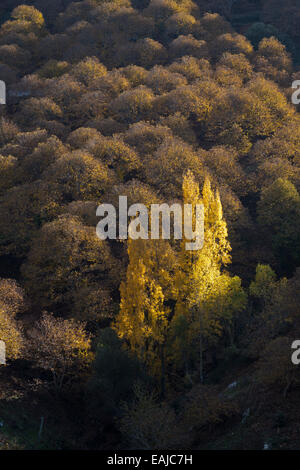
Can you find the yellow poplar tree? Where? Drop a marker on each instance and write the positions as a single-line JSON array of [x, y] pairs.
[[143, 318], [207, 298]]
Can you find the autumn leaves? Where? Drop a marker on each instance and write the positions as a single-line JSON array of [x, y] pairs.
[[175, 302]]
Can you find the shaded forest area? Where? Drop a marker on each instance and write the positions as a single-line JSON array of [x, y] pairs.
[[142, 345]]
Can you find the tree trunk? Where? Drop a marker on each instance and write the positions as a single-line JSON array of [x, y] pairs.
[[163, 372], [288, 386], [201, 357], [200, 347]]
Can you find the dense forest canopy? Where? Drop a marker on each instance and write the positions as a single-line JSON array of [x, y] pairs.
[[161, 101]]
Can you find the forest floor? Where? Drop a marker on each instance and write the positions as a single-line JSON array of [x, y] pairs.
[[266, 419]]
